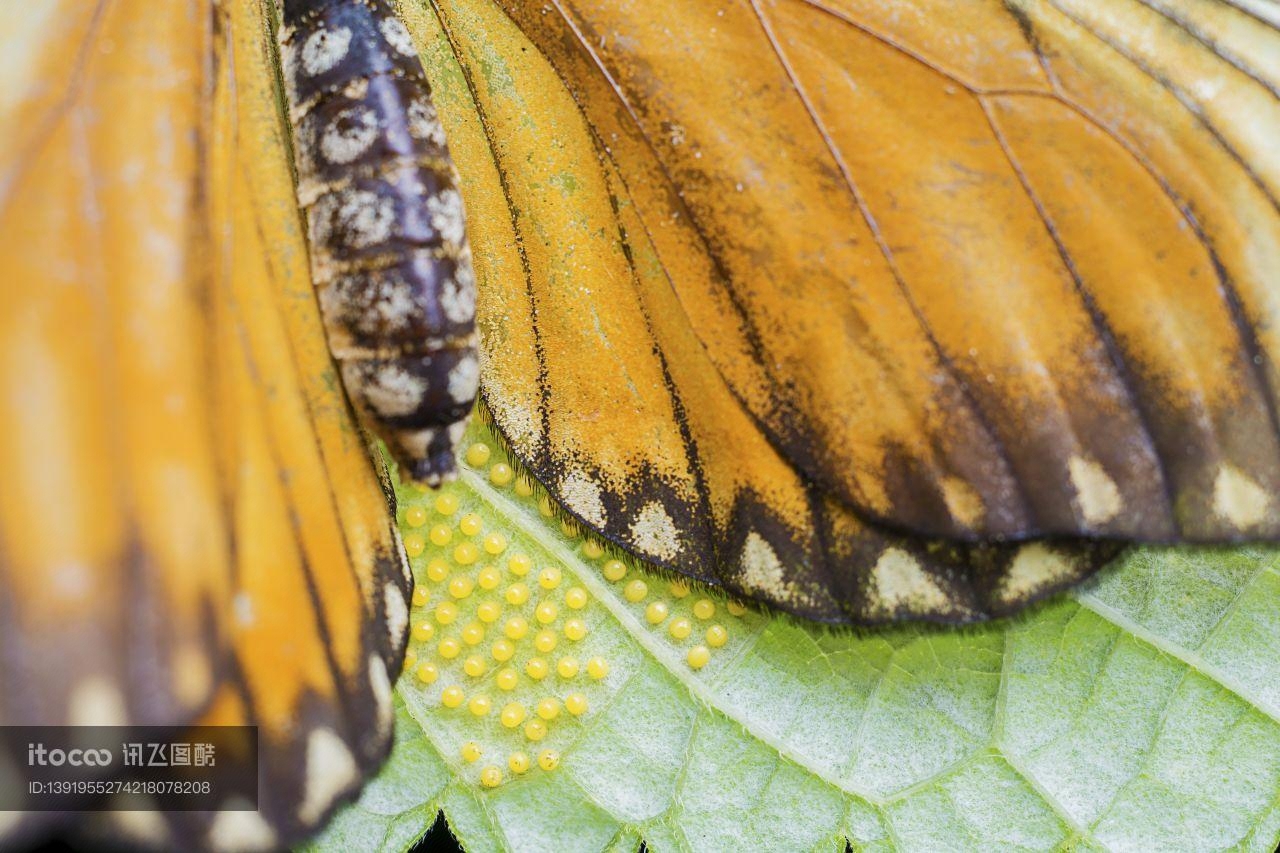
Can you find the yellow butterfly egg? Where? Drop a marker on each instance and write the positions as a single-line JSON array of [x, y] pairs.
[[466, 554], [548, 759], [471, 752], [421, 595], [478, 454], [635, 591], [717, 636], [513, 715], [461, 586], [423, 631], [576, 704], [549, 708], [410, 658], [519, 565], [437, 570], [446, 503], [614, 571], [415, 516], [446, 612], [598, 668], [470, 524], [516, 627], [501, 474], [549, 578], [576, 598], [518, 762], [679, 589], [440, 535], [495, 544], [735, 607], [536, 668], [491, 776], [524, 488], [502, 651], [591, 550], [517, 594], [567, 667], [414, 545], [479, 706], [474, 666], [535, 730], [452, 696], [656, 612], [704, 608], [680, 628], [544, 641], [546, 612], [449, 648], [427, 673], [489, 611], [698, 657], [489, 578], [575, 629], [507, 679]]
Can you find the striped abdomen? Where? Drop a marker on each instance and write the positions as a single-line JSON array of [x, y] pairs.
[[389, 253]]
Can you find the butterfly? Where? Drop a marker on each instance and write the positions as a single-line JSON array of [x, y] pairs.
[[861, 310]]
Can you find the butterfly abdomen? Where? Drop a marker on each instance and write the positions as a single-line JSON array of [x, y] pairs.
[[389, 253]]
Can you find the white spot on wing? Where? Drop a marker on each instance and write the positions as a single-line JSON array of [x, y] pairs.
[[331, 770], [324, 49], [1033, 569], [380, 684], [583, 495], [96, 701], [241, 831], [761, 568], [1238, 499], [1096, 493], [654, 533], [899, 579], [395, 611]]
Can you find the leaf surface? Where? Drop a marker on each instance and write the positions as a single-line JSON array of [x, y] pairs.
[[1141, 712]]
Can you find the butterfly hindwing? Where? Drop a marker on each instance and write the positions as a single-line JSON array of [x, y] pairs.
[[194, 529], [596, 376]]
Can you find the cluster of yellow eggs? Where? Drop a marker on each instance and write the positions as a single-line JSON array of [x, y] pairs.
[[498, 633]]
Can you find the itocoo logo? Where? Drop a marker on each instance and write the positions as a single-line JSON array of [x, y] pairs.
[[39, 755]]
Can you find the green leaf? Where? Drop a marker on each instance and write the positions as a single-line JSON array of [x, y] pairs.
[[1142, 712]]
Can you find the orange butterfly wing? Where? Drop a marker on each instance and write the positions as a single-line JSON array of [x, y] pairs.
[[980, 270], [193, 527], [595, 374]]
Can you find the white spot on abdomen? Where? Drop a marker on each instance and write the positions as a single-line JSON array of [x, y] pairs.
[[445, 212], [393, 391], [349, 135], [1034, 569], [324, 49], [96, 701], [241, 831], [464, 379], [397, 36]]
